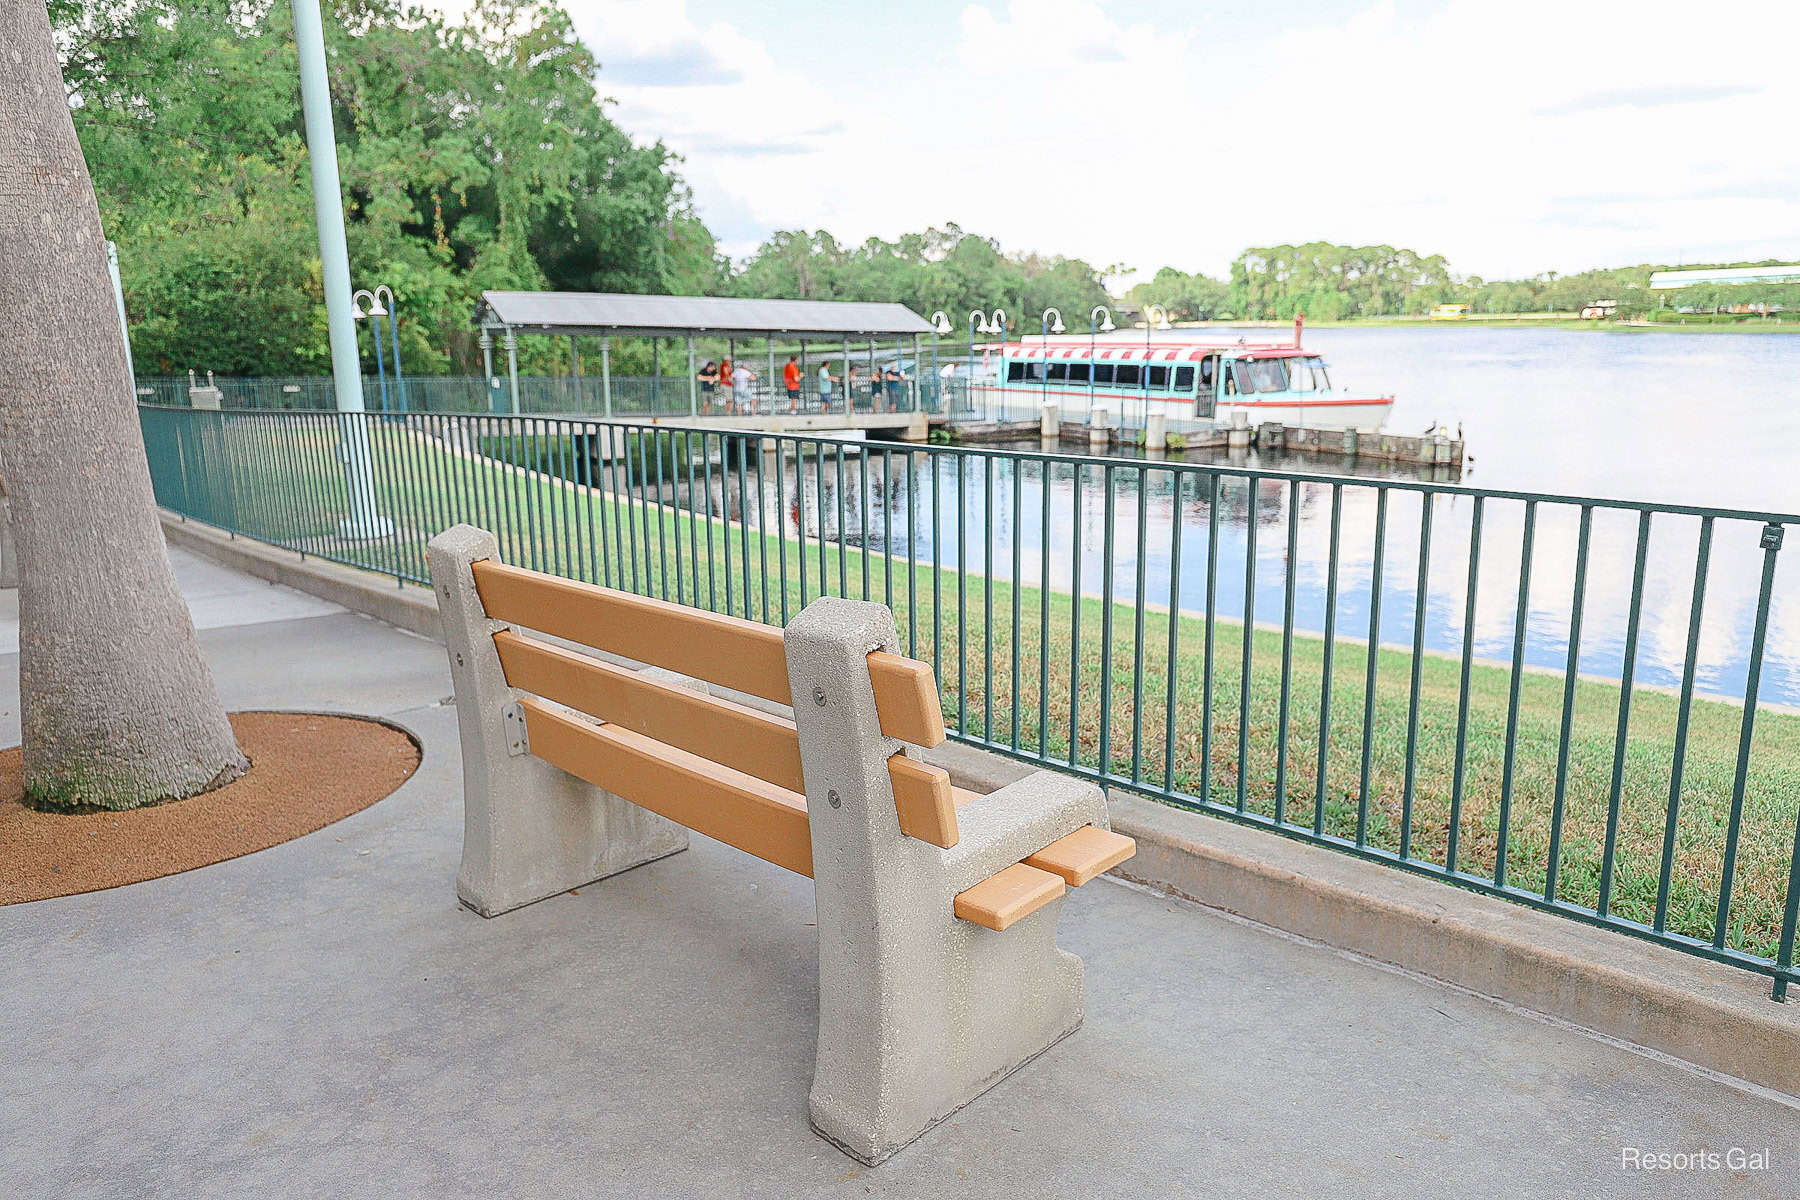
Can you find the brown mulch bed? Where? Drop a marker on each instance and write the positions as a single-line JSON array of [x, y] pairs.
[[306, 771]]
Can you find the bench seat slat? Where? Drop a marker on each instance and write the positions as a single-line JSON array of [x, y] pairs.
[[742, 655], [1004, 898], [1080, 856], [755, 816]]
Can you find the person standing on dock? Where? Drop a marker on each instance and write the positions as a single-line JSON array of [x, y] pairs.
[[744, 400], [790, 378], [826, 379]]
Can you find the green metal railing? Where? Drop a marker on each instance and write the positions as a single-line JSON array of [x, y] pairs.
[[619, 396], [1101, 616]]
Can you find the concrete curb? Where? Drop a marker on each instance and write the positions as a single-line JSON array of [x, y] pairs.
[[1713, 1016]]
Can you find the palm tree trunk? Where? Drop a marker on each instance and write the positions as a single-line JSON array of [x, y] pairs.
[[117, 706]]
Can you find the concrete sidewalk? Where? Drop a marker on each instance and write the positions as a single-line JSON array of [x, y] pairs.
[[322, 1018]]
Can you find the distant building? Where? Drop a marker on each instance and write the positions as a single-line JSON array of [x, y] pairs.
[[1666, 280]]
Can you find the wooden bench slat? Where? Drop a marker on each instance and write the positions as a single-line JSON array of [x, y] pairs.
[[756, 743], [922, 798], [755, 816], [729, 651], [906, 699], [1080, 856], [1004, 898]]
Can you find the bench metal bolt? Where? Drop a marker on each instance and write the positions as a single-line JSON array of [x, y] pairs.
[[819, 697], [832, 796]]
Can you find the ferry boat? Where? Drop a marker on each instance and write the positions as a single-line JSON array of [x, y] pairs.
[[1190, 382]]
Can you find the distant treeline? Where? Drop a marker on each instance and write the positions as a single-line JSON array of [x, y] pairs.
[[475, 154], [1329, 282]]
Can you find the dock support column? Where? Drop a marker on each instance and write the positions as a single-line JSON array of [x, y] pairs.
[[487, 371], [512, 366], [769, 379], [1049, 420], [693, 381], [605, 375], [849, 404], [1156, 431]]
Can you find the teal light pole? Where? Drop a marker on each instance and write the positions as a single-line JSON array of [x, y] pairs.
[[334, 256]]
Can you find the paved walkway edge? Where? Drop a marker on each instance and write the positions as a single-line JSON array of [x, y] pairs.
[[1713, 1016]]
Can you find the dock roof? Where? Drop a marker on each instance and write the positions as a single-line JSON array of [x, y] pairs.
[[589, 313]]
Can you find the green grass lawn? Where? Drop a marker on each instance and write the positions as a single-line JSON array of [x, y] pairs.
[[549, 524]]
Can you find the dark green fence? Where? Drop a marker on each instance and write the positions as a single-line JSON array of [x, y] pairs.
[[620, 396], [1548, 698]]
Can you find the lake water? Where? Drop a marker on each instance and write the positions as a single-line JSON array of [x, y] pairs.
[[1696, 419]]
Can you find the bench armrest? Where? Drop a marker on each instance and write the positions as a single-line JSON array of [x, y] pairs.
[[1018, 820]]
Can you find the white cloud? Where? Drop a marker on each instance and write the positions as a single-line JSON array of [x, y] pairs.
[[1512, 139]]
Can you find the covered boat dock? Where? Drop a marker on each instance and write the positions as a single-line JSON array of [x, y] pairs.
[[844, 327]]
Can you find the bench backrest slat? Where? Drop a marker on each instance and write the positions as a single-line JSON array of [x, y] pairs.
[[728, 651], [755, 816], [756, 743]]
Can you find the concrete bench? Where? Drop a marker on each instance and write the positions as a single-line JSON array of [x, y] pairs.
[[939, 972]]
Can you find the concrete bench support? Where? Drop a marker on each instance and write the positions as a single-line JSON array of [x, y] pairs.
[[919, 1012], [530, 830]]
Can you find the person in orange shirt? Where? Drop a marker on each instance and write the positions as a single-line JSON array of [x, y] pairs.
[[790, 376]]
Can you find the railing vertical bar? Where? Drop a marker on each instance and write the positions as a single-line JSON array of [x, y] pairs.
[[912, 557], [1044, 469], [1577, 603], [725, 534], [987, 597], [712, 584], [1212, 612], [781, 524], [1377, 572], [818, 449], [1076, 470], [1331, 605], [1177, 478], [1771, 545], [1247, 644], [1109, 551], [1137, 640], [1017, 587], [1784, 953], [887, 525], [1621, 737], [937, 566], [862, 513], [630, 511], [962, 596], [1683, 713], [1421, 598], [742, 444], [664, 445], [1460, 773], [843, 537], [1288, 592]]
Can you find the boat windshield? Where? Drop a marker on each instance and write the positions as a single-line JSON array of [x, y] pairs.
[[1307, 374], [1260, 375]]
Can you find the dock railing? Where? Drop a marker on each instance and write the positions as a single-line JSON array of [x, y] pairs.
[[1565, 704]]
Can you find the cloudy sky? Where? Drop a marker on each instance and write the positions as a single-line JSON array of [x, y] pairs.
[[1512, 138]]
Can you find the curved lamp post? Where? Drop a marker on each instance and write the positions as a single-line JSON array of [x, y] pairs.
[[393, 316], [978, 323], [940, 326], [1049, 328], [997, 324], [1099, 321], [1161, 323], [375, 312]]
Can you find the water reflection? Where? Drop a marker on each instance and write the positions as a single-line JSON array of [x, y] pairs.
[[950, 508]]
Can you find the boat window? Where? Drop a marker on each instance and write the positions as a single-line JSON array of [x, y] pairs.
[[1264, 375], [1034, 371], [1208, 367], [1159, 377], [1015, 372], [1126, 375], [1184, 378], [1059, 371], [1307, 374], [1237, 379], [1103, 372], [1078, 372]]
